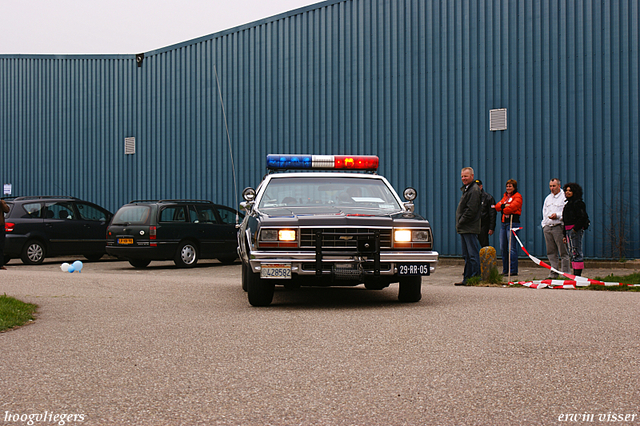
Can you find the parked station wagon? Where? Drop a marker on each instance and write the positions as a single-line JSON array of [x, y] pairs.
[[179, 230]]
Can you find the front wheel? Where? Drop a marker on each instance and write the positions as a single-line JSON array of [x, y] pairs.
[[410, 289], [259, 291], [187, 255], [33, 253]]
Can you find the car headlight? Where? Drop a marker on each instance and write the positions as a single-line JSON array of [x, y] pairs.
[[278, 238], [420, 235], [412, 238], [269, 235], [286, 235], [402, 236], [278, 235], [407, 235]]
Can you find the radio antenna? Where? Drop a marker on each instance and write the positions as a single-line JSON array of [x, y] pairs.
[[233, 167]]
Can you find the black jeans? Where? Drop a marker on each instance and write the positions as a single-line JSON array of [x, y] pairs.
[[2, 232]]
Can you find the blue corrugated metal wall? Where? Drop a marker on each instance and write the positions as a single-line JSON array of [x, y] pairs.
[[409, 80]]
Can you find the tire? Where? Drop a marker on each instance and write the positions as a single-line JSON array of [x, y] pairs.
[[33, 253], [259, 291], [94, 257], [139, 263], [410, 289], [186, 255], [227, 260]]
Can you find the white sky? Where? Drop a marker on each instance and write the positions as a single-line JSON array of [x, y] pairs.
[[123, 26]]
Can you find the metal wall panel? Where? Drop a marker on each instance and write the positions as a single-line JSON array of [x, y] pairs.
[[409, 80]]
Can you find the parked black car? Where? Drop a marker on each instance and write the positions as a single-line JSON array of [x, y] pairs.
[[182, 230], [43, 226]]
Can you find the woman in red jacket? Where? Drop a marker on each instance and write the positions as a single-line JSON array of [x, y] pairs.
[[511, 208]]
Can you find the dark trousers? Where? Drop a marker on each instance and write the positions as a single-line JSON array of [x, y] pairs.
[[483, 236], [2, 232], [505, 235], [471, 254]]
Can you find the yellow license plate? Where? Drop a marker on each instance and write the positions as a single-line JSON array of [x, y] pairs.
[[125, 240]]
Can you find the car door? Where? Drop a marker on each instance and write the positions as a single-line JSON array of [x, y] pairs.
[[62, 229], [226, 231], [205, 223], [94, 221], [173, 227]]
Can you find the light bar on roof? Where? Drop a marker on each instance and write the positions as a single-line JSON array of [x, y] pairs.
[[322, 162]]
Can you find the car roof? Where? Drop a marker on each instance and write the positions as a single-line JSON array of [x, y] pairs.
[[41, 197], [170, 201]]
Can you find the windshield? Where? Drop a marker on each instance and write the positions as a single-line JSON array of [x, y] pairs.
[[329, 191], [133, 215]]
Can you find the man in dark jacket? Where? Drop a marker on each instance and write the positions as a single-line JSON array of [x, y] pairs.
[[468, 224], [487, 214]]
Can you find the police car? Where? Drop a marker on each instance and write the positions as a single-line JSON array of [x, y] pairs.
[[322, 220]]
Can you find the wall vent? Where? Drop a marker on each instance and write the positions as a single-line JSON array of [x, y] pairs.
[[497, 119], [129, 146]]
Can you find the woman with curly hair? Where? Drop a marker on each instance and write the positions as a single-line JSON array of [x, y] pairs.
[[576, 220]]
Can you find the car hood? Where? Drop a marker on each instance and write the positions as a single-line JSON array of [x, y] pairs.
[[333, 214]]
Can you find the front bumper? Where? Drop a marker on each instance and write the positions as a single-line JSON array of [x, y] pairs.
[[305, 262]]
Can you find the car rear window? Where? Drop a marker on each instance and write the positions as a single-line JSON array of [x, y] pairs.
[[173, 214], [31, 211], [88, 212], [133, 215]]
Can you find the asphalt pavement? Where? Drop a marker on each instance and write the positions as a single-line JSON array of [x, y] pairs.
[[164, 346]]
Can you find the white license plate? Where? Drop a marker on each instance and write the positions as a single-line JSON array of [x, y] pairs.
[[279, 271], [414, 269]]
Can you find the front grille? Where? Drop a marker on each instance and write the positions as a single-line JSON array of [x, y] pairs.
[[347, 238], [366, 266]]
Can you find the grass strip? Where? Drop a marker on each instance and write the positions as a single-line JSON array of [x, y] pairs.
[[14, 313]]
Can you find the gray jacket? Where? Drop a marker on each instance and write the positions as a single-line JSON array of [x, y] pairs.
[[468, 212]]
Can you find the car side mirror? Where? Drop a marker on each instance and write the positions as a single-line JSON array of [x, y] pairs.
[[410, 194], [249, 194]]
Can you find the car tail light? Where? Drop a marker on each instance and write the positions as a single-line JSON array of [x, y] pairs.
[[152, 236], [8, 226]]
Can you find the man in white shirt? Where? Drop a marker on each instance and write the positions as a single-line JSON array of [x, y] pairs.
[[552, 228]]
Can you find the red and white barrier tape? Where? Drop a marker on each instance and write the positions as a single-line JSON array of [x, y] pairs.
[[572, 282]]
